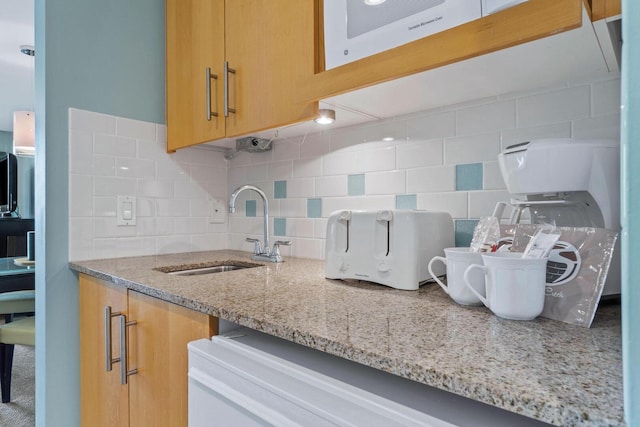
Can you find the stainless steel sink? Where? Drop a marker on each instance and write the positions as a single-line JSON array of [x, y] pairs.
[[207, 268]]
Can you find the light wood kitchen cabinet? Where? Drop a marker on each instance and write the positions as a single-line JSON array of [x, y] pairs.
[[267, 46], [602, 9], [156, 342], [525, 22]]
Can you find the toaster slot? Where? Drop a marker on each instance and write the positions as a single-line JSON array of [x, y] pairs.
[[383, 233]]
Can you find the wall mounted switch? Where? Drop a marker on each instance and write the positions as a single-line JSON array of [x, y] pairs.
[[126, 210]]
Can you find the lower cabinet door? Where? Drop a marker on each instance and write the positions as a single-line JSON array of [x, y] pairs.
[[104, 401], [158, 351], [156, 334]]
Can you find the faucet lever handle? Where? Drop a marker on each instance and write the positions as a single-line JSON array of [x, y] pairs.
[[276, 246], [257, 247]]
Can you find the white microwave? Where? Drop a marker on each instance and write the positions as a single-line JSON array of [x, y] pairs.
[[355, 29]]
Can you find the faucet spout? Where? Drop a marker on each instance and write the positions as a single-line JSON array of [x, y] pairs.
[[265, 205]]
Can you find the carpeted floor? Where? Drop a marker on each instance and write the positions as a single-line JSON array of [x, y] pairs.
[[20, 412]]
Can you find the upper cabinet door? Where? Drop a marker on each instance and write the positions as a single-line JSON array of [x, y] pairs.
[[233, 67], [195, 58], [270, 45]]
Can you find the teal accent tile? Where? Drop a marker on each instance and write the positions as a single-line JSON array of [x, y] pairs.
[[280, 189], [250, 208], [406, 201], [280, 226], [314, 208], [464, 231], [469, 177], [356, 185]]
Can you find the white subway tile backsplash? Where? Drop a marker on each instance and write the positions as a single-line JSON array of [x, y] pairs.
[[320, 228], [486, 118], [257, 173], [173, 190], [114, 145], [172, 208], [315, 145], [392, 182], [81, 238], [454, 203], [162, 189], [104, 248], [482, 203], [598, 127], [106, 206], [307, 168], [301, 188], [111, 186], [279, 171], [471, 149], [285, 150], [144, 207], [350, 162], [135, 129], [492, 176], [135, 168], [431, 179], [104, 165], [336, 185], [516, 136], [106, 227], [431, 126], [554, 107], [418, 153], [187, 190], [605, 98], [80, 196], [300, 227], [80, 150], [190, 225]]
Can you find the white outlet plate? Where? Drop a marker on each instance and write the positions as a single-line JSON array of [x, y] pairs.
[[126, 210], [217, 211]]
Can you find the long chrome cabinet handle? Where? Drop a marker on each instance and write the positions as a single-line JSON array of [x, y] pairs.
[[227, 70], [108, 315], [124, 372], [209, 78]]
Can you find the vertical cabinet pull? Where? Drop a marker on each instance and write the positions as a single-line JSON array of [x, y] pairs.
[[108, 315], [210, 77], [124, 372], [226, 73], [124, 368]]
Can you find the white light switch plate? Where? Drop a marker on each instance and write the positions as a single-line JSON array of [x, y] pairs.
[[217, 211], [126, 210]]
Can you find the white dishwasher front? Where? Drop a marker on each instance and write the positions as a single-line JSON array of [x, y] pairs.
[[246, 378]]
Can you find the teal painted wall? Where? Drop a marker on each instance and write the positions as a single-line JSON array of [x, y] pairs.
[[6, 141], [94, 55], [630, 136]]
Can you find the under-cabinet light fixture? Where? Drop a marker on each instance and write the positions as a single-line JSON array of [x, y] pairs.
[[325, 116]]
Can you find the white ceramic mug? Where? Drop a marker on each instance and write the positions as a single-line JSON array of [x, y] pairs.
[[457, 260], [515, 286]]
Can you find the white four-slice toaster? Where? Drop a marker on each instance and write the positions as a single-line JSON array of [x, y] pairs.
[[390, 247]]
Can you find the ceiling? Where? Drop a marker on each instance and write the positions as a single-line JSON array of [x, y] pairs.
[[16, 69]]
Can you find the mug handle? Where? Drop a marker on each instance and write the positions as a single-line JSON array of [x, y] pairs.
[[444, 261], [484, 300]]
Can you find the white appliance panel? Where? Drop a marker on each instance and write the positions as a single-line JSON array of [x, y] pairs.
[[354, 29]]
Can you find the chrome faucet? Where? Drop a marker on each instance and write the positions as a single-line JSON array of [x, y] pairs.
[[260, 252]]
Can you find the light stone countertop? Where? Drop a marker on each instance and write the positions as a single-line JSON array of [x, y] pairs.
[[555, 372]]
